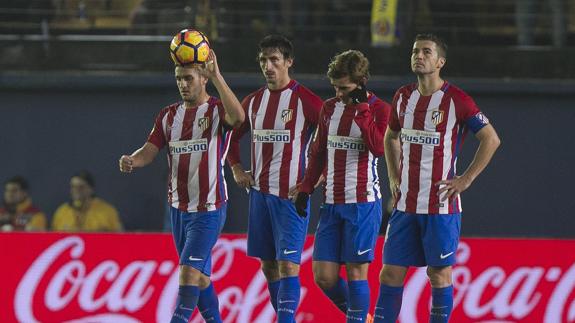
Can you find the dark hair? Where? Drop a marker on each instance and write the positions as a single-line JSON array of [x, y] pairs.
[[279, 42], [20, 181], [439, 42], [86, 177], [350, 63]]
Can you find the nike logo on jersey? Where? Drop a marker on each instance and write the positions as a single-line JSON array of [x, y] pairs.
[[442, 256], [361, 252], [195, 259], [289, 252]]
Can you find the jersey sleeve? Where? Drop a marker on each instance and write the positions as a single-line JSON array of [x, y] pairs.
[[468, 112], [393, 117], [157, 136], [317, 156], [233, 156], [311, 104], [372, 120]]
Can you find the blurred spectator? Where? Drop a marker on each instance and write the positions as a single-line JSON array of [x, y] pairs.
[[85, 211], [526, 14], [18, 213]]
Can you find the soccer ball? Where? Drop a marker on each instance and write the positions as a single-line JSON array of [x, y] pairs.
[[189, 46]]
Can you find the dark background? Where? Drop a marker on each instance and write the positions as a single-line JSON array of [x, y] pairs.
[[49, 133]]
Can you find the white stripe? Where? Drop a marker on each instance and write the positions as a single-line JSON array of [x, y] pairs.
[[213, 156], [332, 129], [296, 145], [407, 124], [447, 152], [278, 147], [257, 147], [351, 167], [426, 162]]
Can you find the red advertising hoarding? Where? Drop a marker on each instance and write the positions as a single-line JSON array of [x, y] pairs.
[[54, 277]]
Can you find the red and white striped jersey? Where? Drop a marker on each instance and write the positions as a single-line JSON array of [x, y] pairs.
[[346, 148], [197, 145], [282, 123], [432, 130]]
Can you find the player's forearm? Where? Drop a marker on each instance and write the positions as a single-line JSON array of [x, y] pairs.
[[392, 154], [144, 155], [234, 111], [484, 154]]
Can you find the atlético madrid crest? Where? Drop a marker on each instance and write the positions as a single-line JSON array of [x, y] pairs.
[[204, 123], [287, 115], [436, 117]]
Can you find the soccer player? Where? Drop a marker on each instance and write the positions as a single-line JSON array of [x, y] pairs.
[[281, 117], [428, 123], [348, 142], [196, 132]]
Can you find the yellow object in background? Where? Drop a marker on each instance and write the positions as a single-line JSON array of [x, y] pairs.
[[383, 23]]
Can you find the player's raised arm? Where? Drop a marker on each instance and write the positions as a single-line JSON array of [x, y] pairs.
[[234, 112]]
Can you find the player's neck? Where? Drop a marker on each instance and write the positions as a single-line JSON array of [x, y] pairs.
[[192, 104], [429, 84], [280, 84]]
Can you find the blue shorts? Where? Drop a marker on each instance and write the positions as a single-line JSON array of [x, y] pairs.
[[421, 239], [275, 230], [195, 234], [346, 233]]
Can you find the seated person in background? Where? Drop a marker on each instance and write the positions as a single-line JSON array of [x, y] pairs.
[[85, 212], [18, 213]]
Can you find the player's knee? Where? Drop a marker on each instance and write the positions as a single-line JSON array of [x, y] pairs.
[[356, 271], [190, 276], [204, 281], [271, 270], [439, 277], [288, 269], [324, 279], [392, 275]]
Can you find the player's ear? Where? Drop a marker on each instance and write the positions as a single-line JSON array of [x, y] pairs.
[[289, 62], [441, 62]]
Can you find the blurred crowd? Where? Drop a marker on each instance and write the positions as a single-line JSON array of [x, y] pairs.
[[524, 22], [84, 211]]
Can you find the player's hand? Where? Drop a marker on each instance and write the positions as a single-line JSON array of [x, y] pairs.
[[211, 65], [358, 95], [126, 164], [244, 179], [301, 204], [453, 187], [293, 191]]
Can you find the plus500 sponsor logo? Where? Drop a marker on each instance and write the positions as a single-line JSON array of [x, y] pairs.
[[420, 137], [345, 143], [188, 146], [271, 136]]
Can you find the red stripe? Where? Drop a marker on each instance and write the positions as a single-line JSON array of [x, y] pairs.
[[288, 148], [220, 153], [437, 170], [362, 172], [169, 125], [340, 156], [415, 154], [203, 166], [184, 163], [454, 207], [268, 148]]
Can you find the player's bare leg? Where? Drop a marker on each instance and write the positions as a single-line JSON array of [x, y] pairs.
[[326, 276], [441, 293], [388, 305]]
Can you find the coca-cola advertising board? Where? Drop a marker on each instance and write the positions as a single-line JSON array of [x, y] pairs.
[[121, 278]]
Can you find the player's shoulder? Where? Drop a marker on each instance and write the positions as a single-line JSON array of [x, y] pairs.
[[330, 103], [305, 94], [169, 108], [407, 89], [456, 93], [376, 102], [256, 92]]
